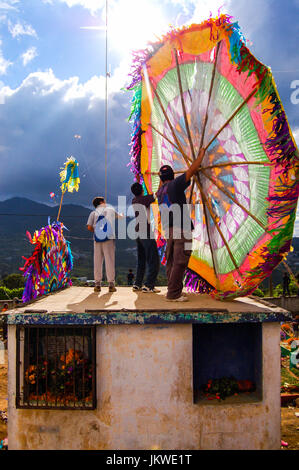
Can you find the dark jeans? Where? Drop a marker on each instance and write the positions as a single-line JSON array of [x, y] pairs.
[[147, 257], [177, 257]]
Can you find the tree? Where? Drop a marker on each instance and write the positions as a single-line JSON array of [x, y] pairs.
[[13, 281]]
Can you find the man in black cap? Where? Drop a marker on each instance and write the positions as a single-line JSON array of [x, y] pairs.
[[177, 225]]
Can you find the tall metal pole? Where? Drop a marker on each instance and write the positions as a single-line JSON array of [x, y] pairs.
[[106, 100]]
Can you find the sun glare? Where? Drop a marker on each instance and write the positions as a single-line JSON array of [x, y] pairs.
[[133, 23]]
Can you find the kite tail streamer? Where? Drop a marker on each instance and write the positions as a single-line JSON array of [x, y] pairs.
[[135, 151]]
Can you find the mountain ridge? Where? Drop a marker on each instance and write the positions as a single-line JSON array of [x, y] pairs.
[[19, 215]]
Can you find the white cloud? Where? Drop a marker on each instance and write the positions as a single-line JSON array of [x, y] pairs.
[[10, 5], [91, 5], [296, 135], [45, 83], [205, 8], [4, 64], [29, 55], [39, 120], [20, 29]]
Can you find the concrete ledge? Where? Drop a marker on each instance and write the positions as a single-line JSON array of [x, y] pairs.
[[141, 318]]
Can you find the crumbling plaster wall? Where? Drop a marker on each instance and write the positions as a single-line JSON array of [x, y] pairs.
[[145, 401]]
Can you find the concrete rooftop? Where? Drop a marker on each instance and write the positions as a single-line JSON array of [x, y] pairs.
[[82, 305]]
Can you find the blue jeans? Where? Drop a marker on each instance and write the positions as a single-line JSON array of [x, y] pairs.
[[147, 257]]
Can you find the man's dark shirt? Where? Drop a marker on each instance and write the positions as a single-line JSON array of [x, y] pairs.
[[145, 230], [176, 195]]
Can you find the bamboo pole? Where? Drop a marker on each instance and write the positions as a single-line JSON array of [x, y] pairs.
[[221, 165], [208, 230], [209, 99], [183, 104], [61, 199], [220, 232], [232, 117], [206, 113], [168, 122], [185, 116], [290, 272], [230, 196], [164, 137]]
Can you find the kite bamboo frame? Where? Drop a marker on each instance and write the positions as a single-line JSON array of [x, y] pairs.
[[202, 170]]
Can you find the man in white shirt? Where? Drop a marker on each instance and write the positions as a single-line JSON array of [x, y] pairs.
[[101, 222]]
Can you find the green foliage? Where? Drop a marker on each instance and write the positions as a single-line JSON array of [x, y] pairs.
[[288, 378], [6, 294], [258, 292], [13, 281], [77, 282], [277, 291], [293, 287]]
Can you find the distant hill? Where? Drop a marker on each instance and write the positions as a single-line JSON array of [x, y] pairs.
[[18, 215]]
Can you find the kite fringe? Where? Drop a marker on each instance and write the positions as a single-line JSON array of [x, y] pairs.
[[195, 283]]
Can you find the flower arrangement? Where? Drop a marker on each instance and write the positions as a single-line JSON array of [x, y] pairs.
[[226, 386], [4, 444], [67, 381]]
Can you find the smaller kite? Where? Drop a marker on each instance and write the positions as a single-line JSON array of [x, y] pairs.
[[48, 268], [69, 177]]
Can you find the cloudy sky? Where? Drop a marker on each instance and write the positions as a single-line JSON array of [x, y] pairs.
[[52, 82]]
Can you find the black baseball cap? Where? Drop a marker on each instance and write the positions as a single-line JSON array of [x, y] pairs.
[[136, 189], [166, 173]]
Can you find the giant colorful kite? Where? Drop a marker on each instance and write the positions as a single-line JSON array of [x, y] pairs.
[[200, 87]]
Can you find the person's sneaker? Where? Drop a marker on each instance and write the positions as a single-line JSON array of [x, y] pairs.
[[136, 288], [148, 289], [183, 294], [97, 289], [112, 289], [182, 298]]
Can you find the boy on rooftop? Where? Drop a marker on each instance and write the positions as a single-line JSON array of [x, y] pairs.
[[147, 251], [101, 223]]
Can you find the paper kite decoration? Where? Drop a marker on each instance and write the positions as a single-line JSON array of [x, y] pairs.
[[69, 176], [200, 87], [49, 267]]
